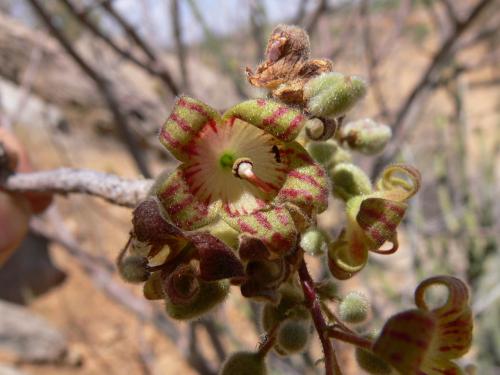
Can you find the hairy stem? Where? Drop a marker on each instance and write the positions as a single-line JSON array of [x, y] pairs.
[[313, 304], [351, 338]]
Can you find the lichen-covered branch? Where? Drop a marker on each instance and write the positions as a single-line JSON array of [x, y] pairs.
[[114, 189]]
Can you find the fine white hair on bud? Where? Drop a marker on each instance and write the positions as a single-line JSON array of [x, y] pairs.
[[354, 308]]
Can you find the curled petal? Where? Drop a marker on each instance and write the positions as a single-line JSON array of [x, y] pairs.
[[275, 227], [405, 340], [454, 317], [423, 340], [189, 116], [182, 207], [399, 188], [306, 184], [347, 255], [217, 260], [275, 118], [379, 219]]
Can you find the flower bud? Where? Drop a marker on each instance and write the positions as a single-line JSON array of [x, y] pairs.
[[133, 269], [209, 295], [328, 153], [327, 290], [348, 181], [244, 363], [293, 336], [313, 242], [354, 308], [366, 136], [331, 95]]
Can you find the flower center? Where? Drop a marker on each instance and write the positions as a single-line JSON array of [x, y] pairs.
[[238, 164]]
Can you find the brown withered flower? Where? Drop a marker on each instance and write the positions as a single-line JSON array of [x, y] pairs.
[[287, 66]]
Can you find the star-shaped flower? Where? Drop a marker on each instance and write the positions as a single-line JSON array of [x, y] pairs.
[[243, 168]]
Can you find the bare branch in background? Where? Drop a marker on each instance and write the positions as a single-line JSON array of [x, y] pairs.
[[440, 56], [371, 61], [223, 60], [194, 356], [151, 68], [258, 21], [112, 188], [175, 15], [105, 89], [214, 334], [312, 24], [301, 13]]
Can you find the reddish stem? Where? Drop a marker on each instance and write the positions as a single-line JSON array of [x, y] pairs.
[[350, 338], [313, 304]]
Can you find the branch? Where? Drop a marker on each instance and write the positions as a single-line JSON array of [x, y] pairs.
[[175, 15], [112, 188], [151, 68], [105, 89], [318, 12], [398, 128]]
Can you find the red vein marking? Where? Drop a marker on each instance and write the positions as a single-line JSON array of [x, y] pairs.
[[183, 124], [261, 102], [262, 220], [246, 227], [174, 209], [305, 177], [270, 120], [167, 137], [294, 124], [193, 106]]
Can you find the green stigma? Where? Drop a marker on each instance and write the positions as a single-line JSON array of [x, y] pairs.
[[227, 160]]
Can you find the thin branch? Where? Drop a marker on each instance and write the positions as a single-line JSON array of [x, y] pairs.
[[142, 44], [398, 125], [175, 15], [301, 13], [214, 334], [258, 22], [112, 188], [371, 61], [151, 68], [215, 46], [105, 89], [195, 357], [313, 21]]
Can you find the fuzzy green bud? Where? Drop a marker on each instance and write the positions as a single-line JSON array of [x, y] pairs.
[[331, 95], [348, 181], [293, 336], [354, 308], [209, 295], [134, 269], [366, 136], [328, 153], [244, 363], [314, 242]]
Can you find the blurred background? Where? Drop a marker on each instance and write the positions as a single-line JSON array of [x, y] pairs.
[[88, 83]]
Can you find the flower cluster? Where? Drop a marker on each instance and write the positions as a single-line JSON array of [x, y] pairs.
[[241, 209]]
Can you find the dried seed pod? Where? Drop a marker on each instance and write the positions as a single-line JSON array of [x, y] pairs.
[[348, 181], [354, 308], [244, 363], [134, 269], [331, 95]]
